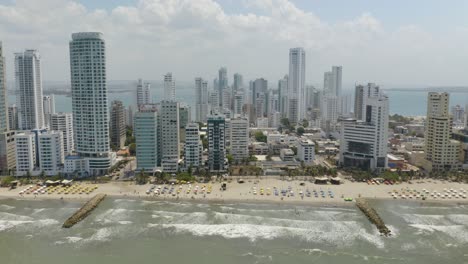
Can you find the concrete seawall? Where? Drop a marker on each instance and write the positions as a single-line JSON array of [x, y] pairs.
[[84, 211], [373, 216]]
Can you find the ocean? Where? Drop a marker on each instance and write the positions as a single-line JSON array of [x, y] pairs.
[[407, 103], [144, 231]]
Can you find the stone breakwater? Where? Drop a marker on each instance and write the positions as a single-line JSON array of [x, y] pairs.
[[84, 211], [373, 216]]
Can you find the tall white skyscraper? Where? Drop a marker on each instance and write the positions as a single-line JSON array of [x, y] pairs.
[[364, 142], [3, 94], [143, 93], [193, 146], [29, 90], [48, 104], [169, 87], [296, 85], [64, 122], [169, 136], [201, 99], [90, 101]]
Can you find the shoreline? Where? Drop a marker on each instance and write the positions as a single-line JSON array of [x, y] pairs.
[[249, 192]]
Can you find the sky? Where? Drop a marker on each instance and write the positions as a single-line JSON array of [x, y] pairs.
[[396, 43]]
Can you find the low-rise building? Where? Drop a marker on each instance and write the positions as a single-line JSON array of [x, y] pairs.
[[287, 155]]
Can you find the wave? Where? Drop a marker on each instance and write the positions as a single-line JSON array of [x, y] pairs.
[[179, 217], [457, 232], [6, 207], [316, 234], [14, 217], [28, 224]]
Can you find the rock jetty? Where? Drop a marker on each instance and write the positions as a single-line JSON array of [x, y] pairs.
[[84, 211], [372, 215]]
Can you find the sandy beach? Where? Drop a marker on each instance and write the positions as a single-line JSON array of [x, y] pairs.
[[244, 192]]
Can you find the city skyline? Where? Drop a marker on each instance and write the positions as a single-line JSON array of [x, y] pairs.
[[359, 39]]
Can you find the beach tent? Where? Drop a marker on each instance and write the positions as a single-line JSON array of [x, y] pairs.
[[335, 180], [67, 182], [52, 183], [321, 180]]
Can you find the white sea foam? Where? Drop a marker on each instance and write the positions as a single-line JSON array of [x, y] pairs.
[[113, 215], [73, 239], [28, 224], [125, 222], [340, 234], [6, 207], [102, 234], [421, 219], [179, 217], [460, 219], [14, 217], [457, 232]]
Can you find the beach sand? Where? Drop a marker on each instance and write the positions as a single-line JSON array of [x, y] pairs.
[[243, 192]]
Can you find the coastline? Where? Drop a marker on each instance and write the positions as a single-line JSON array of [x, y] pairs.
[[242, 193]]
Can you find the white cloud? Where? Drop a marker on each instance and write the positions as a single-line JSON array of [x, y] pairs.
[[192, 38]]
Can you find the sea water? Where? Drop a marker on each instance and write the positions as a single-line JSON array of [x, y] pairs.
[[145, 231], [407, 103]]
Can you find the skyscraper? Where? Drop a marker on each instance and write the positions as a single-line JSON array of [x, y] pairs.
[[4, 126], [64, 122], [216, 143], [169, 136], [364, 142], [143, 93], [442, 152], [169, 87], [7, 122], [201, 99], [48, 104], [29, 90], [296, 85], [89, 100], [283, 95], [118, 130], [146, 138], [238, 82], [13, 117], [239, 138], [222, 84], [360, 96], [193, 146]]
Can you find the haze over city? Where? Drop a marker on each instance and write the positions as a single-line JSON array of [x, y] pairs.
[[397, 43]]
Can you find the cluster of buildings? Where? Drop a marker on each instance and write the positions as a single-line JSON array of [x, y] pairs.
[[37, 140]]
